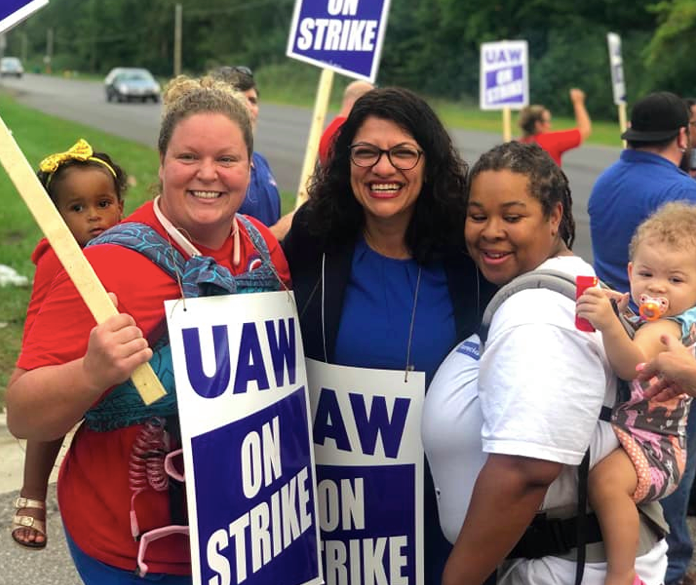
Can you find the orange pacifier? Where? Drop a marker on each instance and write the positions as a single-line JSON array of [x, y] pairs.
[[652, 308]]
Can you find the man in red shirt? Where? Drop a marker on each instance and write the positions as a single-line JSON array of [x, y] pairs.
[[535, 122], [352, 93]]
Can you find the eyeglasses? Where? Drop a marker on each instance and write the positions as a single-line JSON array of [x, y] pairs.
[[402, 156]]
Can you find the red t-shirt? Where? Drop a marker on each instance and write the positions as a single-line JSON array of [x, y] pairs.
[[93, 489], [556, 143], [47, 267], [327, 139]]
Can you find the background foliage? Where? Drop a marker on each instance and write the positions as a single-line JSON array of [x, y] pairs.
[[431, 46]]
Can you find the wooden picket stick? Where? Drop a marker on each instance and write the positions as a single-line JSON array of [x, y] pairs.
[[68, 251], [622, 119], [321, 104], [507, 124]]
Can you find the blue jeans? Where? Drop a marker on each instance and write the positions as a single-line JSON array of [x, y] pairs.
[[94, 572], [675, 506]]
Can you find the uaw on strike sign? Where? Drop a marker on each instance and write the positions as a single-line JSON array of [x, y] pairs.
[[369, 457], [504, 81], [244, 412], [343, 35]]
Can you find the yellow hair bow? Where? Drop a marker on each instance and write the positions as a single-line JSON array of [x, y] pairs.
[[80, 151]]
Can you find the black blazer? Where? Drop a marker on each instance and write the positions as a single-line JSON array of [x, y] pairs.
[[469, 291]]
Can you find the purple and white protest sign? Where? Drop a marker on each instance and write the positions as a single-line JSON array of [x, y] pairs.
[[244, 412], [343, 35], [366, 428], [504, 81], [618, 85], [13, 12]]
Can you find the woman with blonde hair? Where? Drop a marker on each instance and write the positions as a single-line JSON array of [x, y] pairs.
[[69, 371]]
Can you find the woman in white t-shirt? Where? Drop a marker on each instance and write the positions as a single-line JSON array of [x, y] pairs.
[[504, 436]]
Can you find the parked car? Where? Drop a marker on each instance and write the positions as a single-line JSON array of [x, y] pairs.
[[11, 66], [125, 84]]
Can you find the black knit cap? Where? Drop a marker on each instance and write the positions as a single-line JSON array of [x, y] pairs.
[[657, 117]]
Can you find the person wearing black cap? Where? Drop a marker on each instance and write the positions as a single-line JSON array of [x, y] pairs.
[[646, 176]]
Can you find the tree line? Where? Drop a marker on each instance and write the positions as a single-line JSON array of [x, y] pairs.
[[431, 46]]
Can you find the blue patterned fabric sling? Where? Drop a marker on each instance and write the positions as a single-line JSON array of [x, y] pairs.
[[200, 276]]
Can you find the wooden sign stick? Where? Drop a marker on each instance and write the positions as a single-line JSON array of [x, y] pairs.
[[68, 251], [321, 104]]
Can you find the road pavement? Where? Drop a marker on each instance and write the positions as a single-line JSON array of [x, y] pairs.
[[281, 135]]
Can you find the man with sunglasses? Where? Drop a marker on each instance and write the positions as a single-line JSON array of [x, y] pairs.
[[262, 199]]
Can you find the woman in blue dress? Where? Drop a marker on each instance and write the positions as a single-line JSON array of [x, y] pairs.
[[377, 256]]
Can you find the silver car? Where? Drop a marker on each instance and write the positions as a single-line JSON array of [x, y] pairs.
[[125, 84], [11, 66]]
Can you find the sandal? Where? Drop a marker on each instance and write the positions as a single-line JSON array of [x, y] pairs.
[[24, 522]]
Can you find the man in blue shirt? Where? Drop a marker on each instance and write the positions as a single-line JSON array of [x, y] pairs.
[[646, 176], [262, 199]]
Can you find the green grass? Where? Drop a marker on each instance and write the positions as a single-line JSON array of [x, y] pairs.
[[37, 135]]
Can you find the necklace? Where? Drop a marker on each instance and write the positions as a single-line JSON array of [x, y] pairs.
[[409, 366]]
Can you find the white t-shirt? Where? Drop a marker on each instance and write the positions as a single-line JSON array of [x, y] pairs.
[[536, 392]]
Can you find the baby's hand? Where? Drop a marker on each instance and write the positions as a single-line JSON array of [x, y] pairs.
[[595, 306]]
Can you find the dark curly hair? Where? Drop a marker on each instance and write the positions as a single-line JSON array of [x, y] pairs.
[[334, 214], [547, 182], [50, 181]]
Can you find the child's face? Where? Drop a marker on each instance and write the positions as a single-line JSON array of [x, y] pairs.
[[87, 200], [661, 270]]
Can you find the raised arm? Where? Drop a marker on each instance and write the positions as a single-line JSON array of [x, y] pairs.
[[45, 403], [582, 118]]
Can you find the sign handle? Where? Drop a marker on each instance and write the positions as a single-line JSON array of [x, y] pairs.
[[622, 119], [321, 104], [68, 251], [507, 124]]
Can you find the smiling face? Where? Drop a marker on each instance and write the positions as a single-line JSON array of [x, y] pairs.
[[506, 231], [204, 174], [87, 199], [661, 270], [387, 195]]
